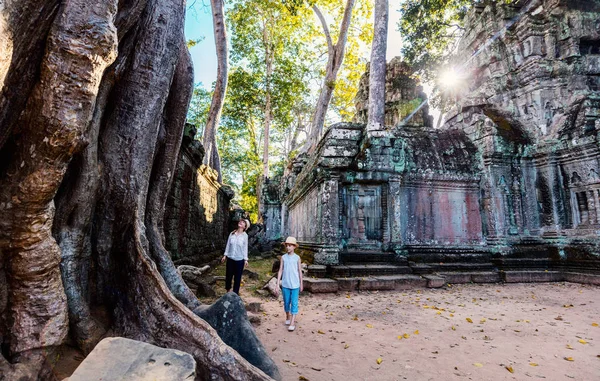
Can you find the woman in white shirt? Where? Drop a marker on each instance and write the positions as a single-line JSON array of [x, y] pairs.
[[236, 254]]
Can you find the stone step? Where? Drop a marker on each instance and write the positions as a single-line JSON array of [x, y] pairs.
[[317, 271], [524, 263], [530, 276], [434, 281], [471, 277], [350, 257], [381, 282], [462, 266], [320, 285], [362, 270], [584, 278]]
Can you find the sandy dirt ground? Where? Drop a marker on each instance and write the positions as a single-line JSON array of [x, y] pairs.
[[462, 332]]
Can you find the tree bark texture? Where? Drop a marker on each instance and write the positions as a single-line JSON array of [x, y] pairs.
[[376, 112], [88, 147], [334, 62], [269, 58], [209, 140]]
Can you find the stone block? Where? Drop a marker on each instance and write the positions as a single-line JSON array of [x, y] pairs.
[[320, 285], [406, 282], [583, 278], [434, 281], [118, 358], [456, 277], [340, 133], [376, 284], [532, 276], [347, 284], [486, 277], [318, 271]]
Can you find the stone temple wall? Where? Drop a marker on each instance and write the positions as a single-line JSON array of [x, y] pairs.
[[197, 210], [513, 172], [531, 104]]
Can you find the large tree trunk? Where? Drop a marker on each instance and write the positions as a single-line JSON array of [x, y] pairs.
[[209, 140], [51, 129], [115, 131], [269, 72], [334, 62], [376, 111]]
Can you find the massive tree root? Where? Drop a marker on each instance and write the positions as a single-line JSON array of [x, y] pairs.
[[107, 107]]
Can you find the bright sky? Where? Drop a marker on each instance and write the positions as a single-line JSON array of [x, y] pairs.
[[198, 24]]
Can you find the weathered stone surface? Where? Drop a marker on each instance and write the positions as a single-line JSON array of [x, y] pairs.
[[405, 282], [513, 171], [532, 276], [320, 285], [197, 209], [434, 281], [582, 278], [403, 94], [271, 286], [118, 358], [347, 284], [228, 317], [373, 283]]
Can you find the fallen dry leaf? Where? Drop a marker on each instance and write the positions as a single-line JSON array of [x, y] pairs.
[[416, 332], [569, 346], [406, 335], [569, 358], [379, 360], [302, 378], [582, 341], [594, 324], [567, 305], [346, 346], [510, 369], [321, 332], [479, 365], [469, 320], [369, 325], [533, 364], [453, 328], [482, 321]]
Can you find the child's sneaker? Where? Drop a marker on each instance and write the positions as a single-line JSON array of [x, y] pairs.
[[287, 322], [291, 328]]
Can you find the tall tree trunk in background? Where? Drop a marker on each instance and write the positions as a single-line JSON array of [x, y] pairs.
[[269, 72], [98, 139], [334, 62], [376, 108], [209, 139]]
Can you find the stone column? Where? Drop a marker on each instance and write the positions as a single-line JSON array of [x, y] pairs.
[[328, 220], [330, 212], [591, 204], [395, 211], [596, 195]]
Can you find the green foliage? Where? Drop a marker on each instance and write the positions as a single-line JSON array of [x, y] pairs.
[[287, 34], [191, 43], [430, 31]]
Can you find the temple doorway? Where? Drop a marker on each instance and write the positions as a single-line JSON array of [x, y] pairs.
[[362, 217]]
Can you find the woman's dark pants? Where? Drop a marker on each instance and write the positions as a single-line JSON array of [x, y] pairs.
[[233, 270]]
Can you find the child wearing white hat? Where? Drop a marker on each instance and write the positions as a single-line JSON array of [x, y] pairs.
[[290, 276]]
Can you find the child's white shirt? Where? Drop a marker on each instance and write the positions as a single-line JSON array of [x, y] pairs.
[[290, 277]]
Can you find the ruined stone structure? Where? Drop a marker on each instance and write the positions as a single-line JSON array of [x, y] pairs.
[[509, 182], [196, 219]]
